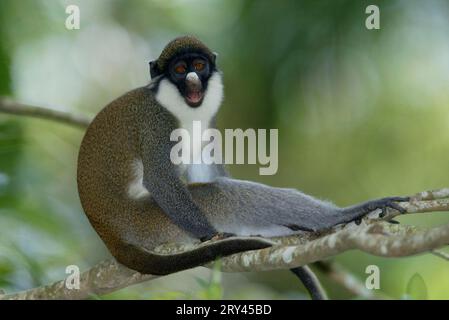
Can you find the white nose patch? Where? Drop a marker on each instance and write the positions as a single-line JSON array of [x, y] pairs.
[[192, 76]]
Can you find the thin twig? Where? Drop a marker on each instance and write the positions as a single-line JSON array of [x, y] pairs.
[[441, 254], [346, 279]]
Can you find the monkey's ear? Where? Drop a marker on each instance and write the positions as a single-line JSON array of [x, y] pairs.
[[154, 70], [215, 55]]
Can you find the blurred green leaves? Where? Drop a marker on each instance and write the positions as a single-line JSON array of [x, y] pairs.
[[361, 114], [416, 288], [212, 289], [11, 141]]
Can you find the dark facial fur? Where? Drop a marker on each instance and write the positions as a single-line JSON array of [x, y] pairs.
[[188, 64], [190, 73]]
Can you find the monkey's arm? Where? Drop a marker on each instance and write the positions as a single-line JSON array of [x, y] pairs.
[[174, 199], [162, 180]]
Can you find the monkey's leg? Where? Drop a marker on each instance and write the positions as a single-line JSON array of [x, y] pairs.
[[250, 208], [311, 282]]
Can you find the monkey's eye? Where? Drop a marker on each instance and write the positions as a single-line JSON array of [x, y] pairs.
[[199, 65], [180, 68]]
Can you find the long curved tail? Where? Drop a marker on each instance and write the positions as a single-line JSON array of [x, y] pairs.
[[148, 262]]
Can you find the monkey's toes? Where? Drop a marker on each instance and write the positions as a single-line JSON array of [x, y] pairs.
[[389, 203]]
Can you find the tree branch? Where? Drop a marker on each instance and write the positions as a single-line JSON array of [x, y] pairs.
[[373, 236], [107, 276], [12, 107]]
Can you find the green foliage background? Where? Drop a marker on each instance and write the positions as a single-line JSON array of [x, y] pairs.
[[361, 114]]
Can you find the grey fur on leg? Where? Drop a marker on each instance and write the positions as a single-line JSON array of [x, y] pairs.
[[311, 282]]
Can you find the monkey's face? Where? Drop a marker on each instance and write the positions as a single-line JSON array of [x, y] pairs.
[[190, 73], [185, 79]]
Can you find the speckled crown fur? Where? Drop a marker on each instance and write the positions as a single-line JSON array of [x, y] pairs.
[[180, 45]]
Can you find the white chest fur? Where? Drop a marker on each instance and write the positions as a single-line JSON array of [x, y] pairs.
[[170, 98]]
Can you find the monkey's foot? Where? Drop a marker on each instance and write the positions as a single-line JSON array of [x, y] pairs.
[[357, 212], [218, 236]]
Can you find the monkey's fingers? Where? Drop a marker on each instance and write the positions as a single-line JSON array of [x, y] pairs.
[[222, 235]]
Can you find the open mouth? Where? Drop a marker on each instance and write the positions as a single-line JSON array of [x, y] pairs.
[[194, 98]]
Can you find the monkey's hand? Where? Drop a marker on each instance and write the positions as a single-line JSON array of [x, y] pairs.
[[355, 213]]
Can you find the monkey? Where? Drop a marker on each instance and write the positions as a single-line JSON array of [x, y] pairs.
[[137, 199]]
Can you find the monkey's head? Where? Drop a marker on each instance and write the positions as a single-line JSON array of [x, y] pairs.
[[186, 72]]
